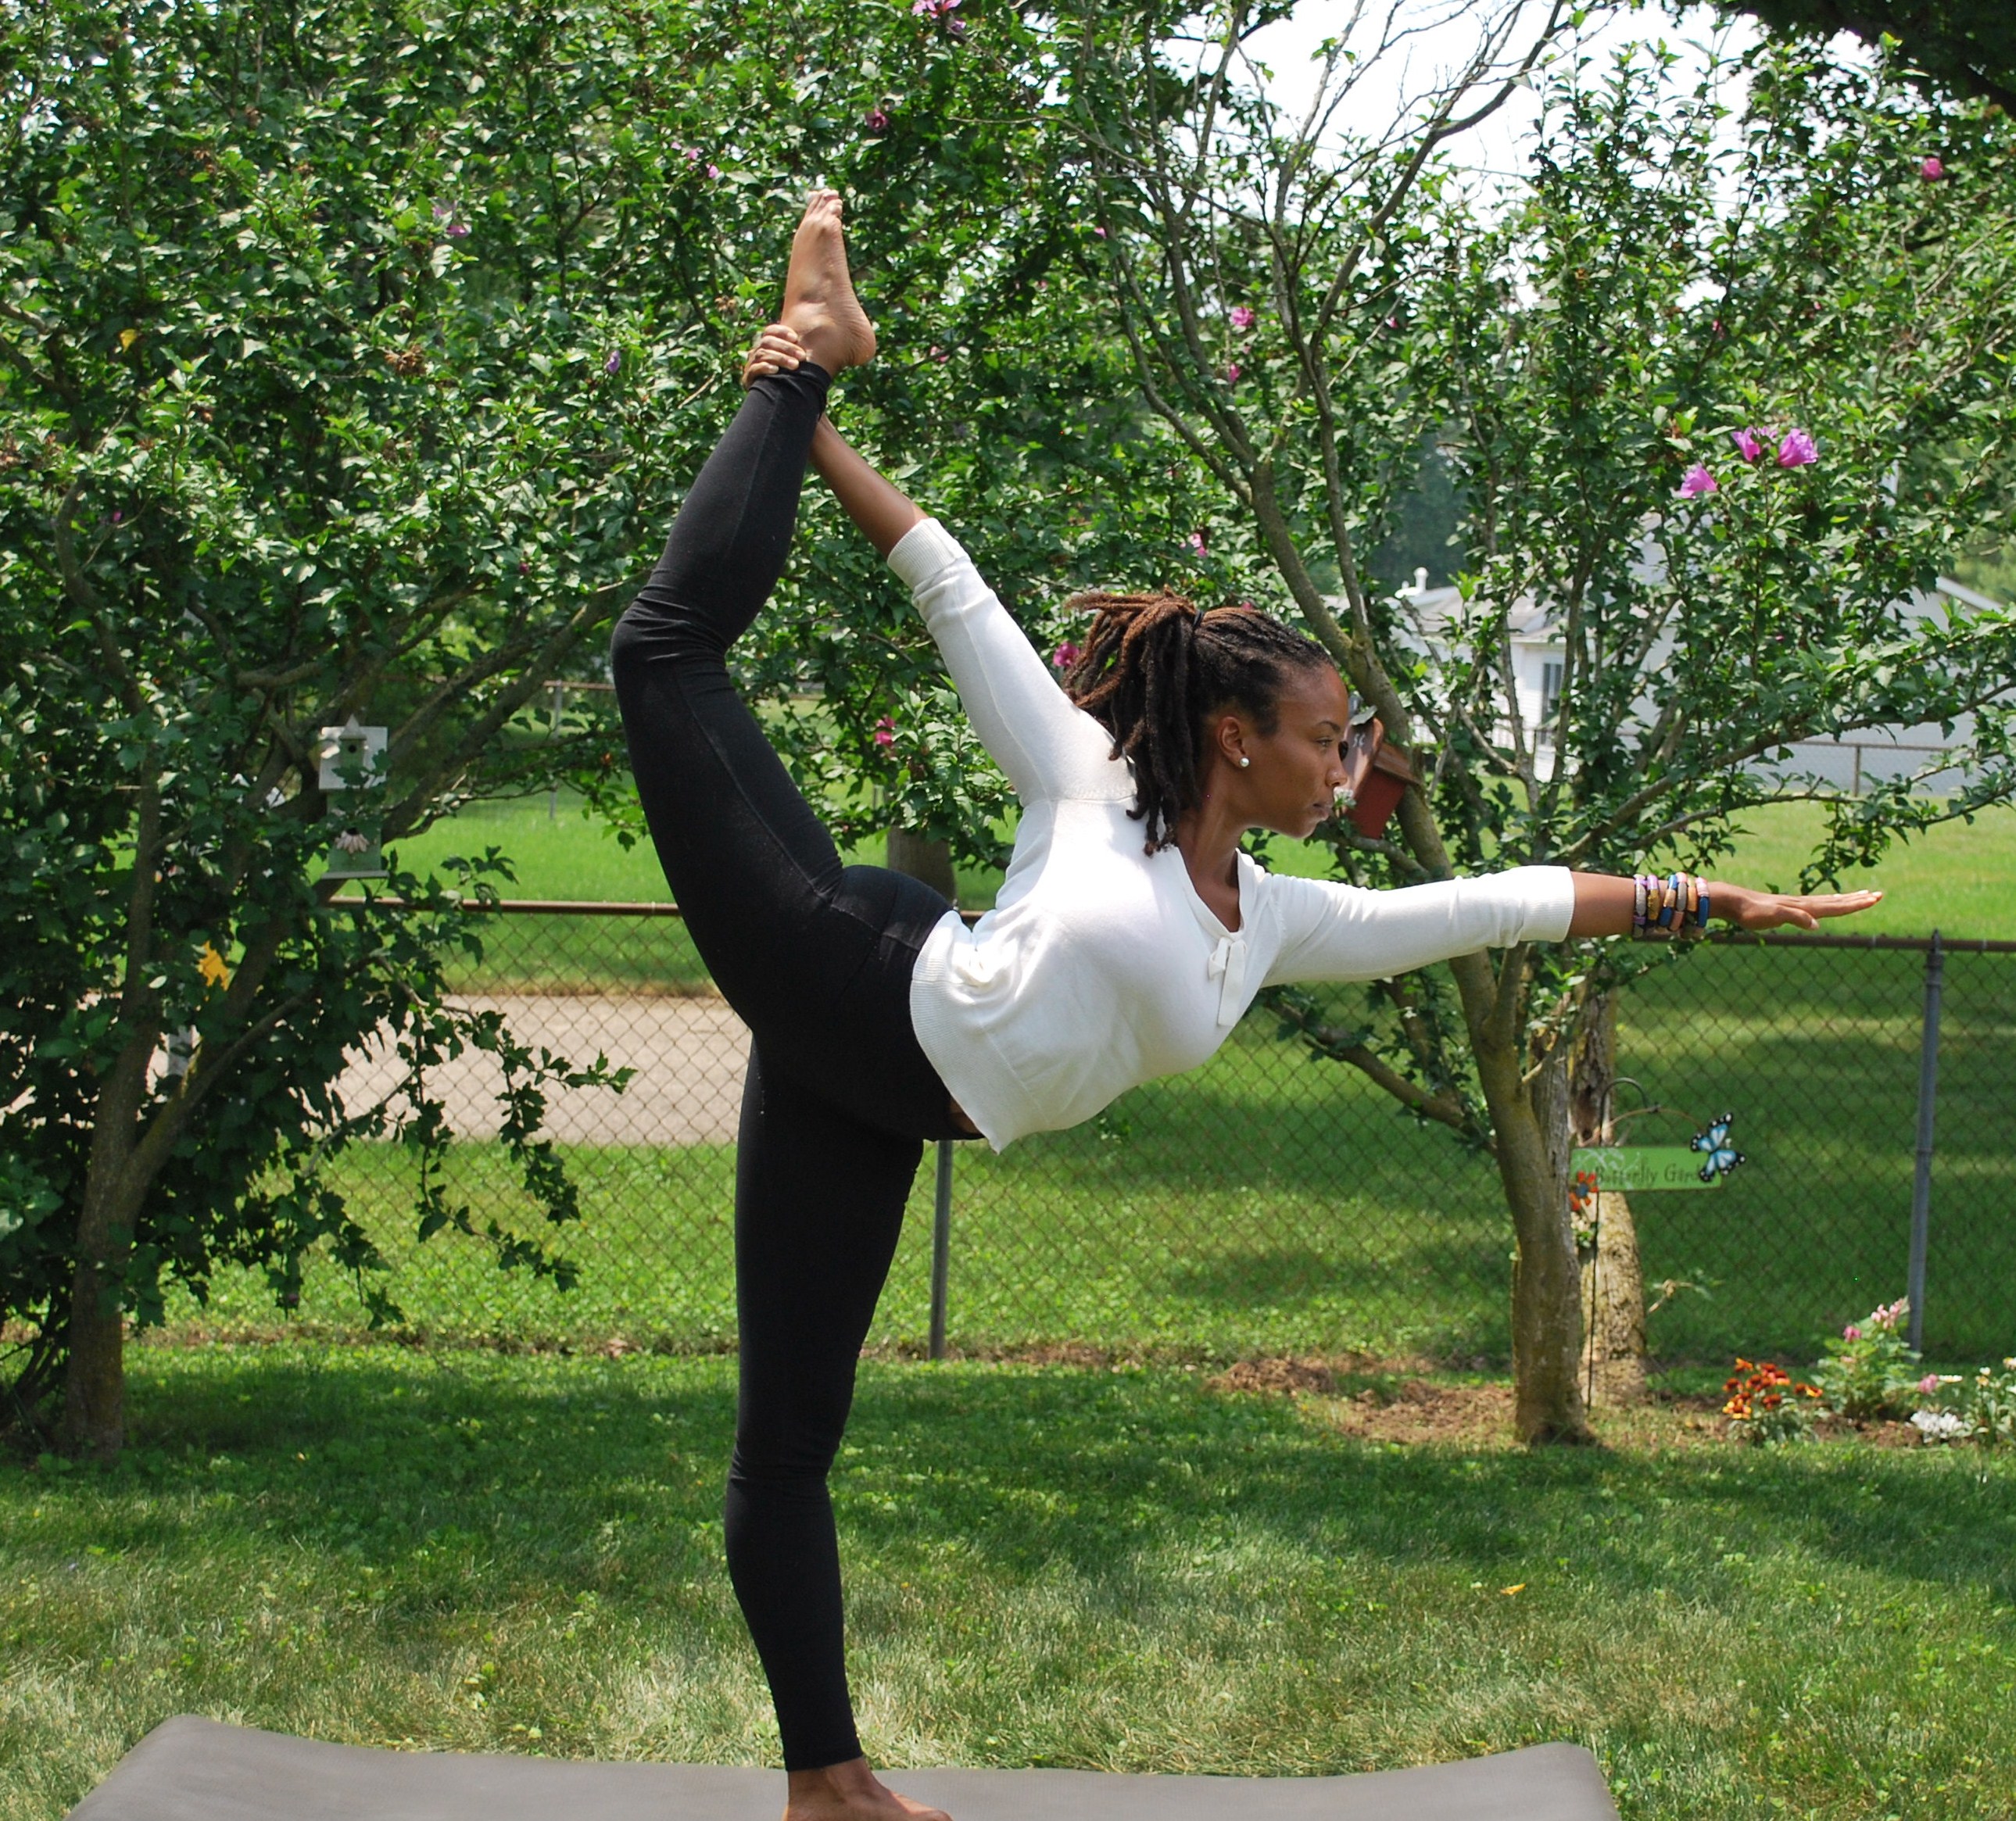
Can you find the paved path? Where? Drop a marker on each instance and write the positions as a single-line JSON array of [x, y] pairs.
[[689, 1055]]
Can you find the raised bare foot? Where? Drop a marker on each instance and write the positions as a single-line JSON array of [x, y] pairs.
[[851, 1792], [820, 303]]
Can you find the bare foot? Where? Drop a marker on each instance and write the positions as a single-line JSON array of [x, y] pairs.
[[851, 1792], [820, 303]]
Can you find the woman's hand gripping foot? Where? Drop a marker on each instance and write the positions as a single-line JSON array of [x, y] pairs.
[[851, 1792], [820, 308], [778, 350]]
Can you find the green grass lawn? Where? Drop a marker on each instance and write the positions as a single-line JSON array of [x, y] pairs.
[[1957, 878], [1112, 1570]]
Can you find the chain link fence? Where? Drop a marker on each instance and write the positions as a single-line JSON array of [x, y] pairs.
[[1268, 1203]]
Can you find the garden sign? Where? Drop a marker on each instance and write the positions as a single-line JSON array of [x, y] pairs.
[[1631, 1169]]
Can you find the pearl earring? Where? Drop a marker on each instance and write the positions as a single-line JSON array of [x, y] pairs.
[[1243, 762]]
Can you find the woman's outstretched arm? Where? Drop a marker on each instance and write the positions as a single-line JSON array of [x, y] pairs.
[[878, 507]]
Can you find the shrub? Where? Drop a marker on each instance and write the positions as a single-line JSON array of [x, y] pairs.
[[1871, 1370]]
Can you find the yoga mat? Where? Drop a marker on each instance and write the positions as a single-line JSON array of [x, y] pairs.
[[191, 1769]]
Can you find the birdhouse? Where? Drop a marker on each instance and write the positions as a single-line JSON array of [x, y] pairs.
[[1377, 777], [353, 757]]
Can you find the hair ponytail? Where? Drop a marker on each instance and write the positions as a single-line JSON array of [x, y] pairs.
[[1153, 670]]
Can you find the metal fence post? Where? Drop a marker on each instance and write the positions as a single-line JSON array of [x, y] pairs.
[[1928, 1088], [940, 1249]]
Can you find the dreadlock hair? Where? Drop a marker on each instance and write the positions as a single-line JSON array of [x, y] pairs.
[[1154, 670]]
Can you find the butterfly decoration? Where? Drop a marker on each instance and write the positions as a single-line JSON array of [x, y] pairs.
[[1722, 1157]]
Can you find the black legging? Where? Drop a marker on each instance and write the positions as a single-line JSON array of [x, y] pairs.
[[816, 957]]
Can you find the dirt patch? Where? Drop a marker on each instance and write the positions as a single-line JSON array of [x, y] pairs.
[[1378, 1399], [1416, 1410], [1289, 1376]]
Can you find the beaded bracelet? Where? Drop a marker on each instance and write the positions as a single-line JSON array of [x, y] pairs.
[[1675, 905]]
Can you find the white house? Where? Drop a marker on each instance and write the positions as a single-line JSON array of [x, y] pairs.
[[1537, 671]]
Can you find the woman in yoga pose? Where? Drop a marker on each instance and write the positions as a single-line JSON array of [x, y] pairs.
[[1130, 935]]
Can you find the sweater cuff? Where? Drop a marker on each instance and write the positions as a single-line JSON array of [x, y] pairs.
[[1551, 904], [927, 549]]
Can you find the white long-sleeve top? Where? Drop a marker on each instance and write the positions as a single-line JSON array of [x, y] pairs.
[[1100, 967]]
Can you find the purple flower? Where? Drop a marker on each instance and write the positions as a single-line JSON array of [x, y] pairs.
[[1749, 443], [940, 355], [875, 120], [1065, 656], [614, 360], [443, 211], [885, 732], [1242, 318], [956, 27], [1231, 374], [713, 173], [1246, 607], [1698, 480], [692, 154], [1198, 542], [1932, 170], [1100, 232], [1797, 448], [1851, 1333], [117, 515], [457, 230], [1929, 1383]]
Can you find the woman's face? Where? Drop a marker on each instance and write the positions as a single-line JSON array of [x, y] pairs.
[[1289, 785]]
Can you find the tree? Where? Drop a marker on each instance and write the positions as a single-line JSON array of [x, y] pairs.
[[351, 359], [1304, 304], [1965, 47]]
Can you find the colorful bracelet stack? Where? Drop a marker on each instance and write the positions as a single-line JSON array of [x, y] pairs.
[[1675, 905]]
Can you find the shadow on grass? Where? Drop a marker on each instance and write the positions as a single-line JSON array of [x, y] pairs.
[[455, 1478], [1114, 1463]]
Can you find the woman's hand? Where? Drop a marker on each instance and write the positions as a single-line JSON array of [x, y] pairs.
[[1767, 910], [778, 350]]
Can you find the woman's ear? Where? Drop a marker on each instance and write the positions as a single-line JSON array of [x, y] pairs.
[[1229, 741]]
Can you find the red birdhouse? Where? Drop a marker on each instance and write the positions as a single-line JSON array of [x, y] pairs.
[[1377, 776]]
